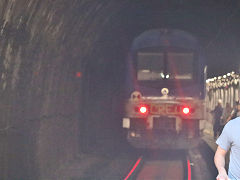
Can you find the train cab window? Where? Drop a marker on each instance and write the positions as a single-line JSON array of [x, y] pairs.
[[150, 65], [180, 65]]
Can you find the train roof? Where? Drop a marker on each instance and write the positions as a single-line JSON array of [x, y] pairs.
[[165, 38]]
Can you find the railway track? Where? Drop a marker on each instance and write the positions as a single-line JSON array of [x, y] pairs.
[[161, 165], [136, 164]]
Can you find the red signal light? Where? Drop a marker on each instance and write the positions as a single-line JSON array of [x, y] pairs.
[[186, 110], [143, 109], [78, 74]]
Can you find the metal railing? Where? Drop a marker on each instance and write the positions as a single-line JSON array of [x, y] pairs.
[[226, 88]]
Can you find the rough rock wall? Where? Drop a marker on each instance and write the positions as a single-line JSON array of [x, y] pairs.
[[42, 45]]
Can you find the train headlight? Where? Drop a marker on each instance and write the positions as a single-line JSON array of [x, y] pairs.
[[143, 109], [186, 110]]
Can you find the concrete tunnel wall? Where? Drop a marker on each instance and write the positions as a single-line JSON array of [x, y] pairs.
[[42, 46]]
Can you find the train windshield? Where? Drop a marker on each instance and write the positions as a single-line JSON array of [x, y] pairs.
[[150, 66], [179, 65], [165, 65]]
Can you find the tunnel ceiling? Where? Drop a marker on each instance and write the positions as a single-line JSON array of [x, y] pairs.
[[215, 23], [78, 26]]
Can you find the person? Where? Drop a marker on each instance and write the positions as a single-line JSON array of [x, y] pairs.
[[217, 114], [229, 140], [225, 115], [235, 112]]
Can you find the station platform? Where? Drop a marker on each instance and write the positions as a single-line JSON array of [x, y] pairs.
[[208, 135], [208, 138]]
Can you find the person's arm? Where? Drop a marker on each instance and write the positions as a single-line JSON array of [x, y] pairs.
[[219, 160], [229, 118], [231, 115]]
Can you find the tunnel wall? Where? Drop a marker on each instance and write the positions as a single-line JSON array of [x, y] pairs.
[[42, 45], [48, 115]]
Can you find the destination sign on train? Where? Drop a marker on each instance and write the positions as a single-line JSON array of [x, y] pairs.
[[165, 109]]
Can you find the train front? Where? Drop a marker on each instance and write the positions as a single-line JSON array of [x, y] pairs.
[[165, 101]]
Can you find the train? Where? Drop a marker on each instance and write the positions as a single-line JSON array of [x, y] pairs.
[[165, 90]]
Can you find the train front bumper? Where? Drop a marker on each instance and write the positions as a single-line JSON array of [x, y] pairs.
[[157, 140]]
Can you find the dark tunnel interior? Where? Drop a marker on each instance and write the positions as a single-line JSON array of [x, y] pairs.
[[63, 68]]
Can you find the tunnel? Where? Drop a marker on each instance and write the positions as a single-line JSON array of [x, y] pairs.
[[63, 69]]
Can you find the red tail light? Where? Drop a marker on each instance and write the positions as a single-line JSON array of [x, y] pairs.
[[143, 109], [186, 110]]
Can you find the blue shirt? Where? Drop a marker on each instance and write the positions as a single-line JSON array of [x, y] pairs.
[[230, 139]]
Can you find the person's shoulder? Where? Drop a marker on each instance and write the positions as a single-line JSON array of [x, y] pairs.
[[236, 120], [233, 123]]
